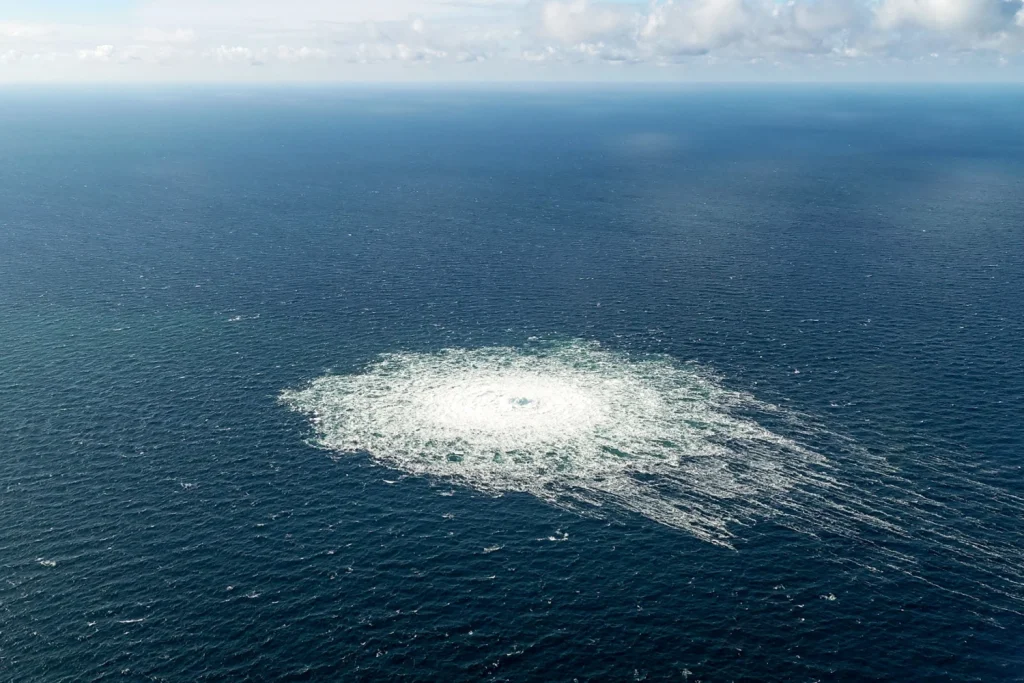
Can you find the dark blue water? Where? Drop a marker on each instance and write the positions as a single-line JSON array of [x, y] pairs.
[[170, 261]]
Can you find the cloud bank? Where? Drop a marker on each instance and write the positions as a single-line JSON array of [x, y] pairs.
[[518, 39]]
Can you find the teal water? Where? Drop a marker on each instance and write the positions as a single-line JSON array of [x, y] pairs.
[[172, 261]]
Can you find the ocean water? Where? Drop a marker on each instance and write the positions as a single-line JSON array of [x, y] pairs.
[[538, 384]]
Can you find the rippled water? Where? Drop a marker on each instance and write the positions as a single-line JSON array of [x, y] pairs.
[[361, 384]]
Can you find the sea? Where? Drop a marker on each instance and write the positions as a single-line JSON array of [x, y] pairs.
[[519, 383]]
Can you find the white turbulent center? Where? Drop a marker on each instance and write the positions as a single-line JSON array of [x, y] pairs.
[[574, 425], [527, 408]]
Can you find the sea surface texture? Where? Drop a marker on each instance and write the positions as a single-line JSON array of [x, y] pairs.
[[375, 384]]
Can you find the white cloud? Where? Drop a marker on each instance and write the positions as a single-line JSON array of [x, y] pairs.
[[759, 30], [575, 21], [300, 54], [100, 53], [687, 27], [338, 38], [974, 16], [234, 54], [538, 56], [368, 53]]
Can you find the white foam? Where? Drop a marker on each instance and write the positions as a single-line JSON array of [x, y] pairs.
[[573, 424], [597, 431]]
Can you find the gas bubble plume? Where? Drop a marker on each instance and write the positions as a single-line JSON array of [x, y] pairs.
[[602, 432], [574, 425]]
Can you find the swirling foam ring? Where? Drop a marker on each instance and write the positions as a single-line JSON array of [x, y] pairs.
[[572, 424]]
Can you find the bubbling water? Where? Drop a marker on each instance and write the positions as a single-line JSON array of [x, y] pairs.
[[573, 424], [596, 431]]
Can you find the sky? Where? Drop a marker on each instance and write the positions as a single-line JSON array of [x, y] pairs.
[[82, 41]]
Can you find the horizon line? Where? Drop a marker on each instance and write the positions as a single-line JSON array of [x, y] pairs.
[[509, 83]]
